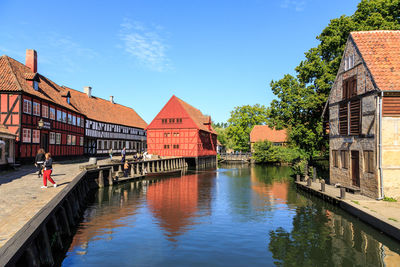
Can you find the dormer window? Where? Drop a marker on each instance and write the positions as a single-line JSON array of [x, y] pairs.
[[35, 85], [348, 62], [68, 100]]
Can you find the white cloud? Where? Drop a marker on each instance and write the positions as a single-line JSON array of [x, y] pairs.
[[146, 45], [298, 5]]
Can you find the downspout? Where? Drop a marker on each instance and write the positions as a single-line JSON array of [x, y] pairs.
[[380, 96]]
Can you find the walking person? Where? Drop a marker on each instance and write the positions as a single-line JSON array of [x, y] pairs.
[[123, 153], [110, 152], [126, 168], [39, 160], [48, 169]]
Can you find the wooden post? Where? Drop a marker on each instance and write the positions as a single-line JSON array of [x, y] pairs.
[[46, 254], [342, 193], [137, 169], [132, 170], [32, 254], [153, 168], [314, 174], [297, 177], [110, 178], [101, 179], [322, 185], [57, 231], [309, 181], [143, 168], [162, 165], [66, 227]]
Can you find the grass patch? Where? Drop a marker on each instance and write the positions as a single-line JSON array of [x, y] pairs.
[[356, 202], [365, 207], [373, 210], [393, 219], [389, 199]]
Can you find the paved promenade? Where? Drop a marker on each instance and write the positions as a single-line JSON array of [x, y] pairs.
[[21, 196], [388, 212]]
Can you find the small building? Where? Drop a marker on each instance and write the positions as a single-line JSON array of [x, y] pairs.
[[33, 108], [6, 146], [108, 125], [261, 133], [364, 115], [182, 130]]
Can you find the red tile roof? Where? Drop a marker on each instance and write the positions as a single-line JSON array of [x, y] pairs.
[[102, 110], [201, 121], [381, 52], [13, 77], [264, 132]]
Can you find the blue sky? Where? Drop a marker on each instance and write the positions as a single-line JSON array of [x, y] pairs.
[[214, 55]]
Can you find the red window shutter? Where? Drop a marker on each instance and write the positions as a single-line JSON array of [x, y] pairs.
[[344, 89]]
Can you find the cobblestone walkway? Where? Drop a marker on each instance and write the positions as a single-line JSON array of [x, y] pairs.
[[21, 196]]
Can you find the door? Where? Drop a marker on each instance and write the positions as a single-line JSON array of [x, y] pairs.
[[355, 168], [44, 142]]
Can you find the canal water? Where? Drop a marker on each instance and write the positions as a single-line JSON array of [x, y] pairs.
[[233, 216]]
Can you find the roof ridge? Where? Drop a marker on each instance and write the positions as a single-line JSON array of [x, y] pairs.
[[374, 31], [13, 72]]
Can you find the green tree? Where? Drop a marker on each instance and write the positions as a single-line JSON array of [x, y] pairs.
[[266, 152], [301, 98], [241, 123]]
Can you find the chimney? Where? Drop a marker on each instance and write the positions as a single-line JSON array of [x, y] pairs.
[[88, 90], [112, 99], [31, 59]]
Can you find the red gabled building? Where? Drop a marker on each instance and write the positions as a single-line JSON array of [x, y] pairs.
[[38, 110], [179, 129]]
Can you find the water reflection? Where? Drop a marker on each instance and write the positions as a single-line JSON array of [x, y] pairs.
[[236, 216]]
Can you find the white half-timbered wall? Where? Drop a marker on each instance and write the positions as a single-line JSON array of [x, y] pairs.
[[115, 136]]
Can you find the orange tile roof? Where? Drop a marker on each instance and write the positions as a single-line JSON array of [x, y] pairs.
[[14, 75], [381, 52], [264, 132], [196, 115], [102, 110]]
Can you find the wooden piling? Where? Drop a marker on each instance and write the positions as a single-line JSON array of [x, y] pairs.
[[101, 179]]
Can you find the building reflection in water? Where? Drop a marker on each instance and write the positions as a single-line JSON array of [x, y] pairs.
[[177, 202]]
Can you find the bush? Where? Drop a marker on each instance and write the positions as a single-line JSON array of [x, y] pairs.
[[266, 152]]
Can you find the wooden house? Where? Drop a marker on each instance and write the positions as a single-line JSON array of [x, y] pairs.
[[364, 115], [35, 109], [108, 125], [7, 140], [179, 129]]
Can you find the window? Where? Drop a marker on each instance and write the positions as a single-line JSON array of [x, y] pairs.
[[343, 121], [176, 134], [69, 119], [176, 146], [335, 158], [26, 135], [349, 87], [36, 109], [344, 155], [355, 117], [59, 115], [179, 120], [369, 165], [52, 140], [81, 141], [73, 120], [52, 114], [35, 85], [350, 111], [58, 138], [45, 111], [82, 123], [69, 140], [36, 136], [78, 121], [349, 62], [73, 141], [166, 134], [27, 106], [166, 146], [64, 117]]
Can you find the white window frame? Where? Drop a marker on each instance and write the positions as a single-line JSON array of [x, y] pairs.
[[52, 113], [36, 108], [35, 136], [59, 115], [58, 138], [26, 135], [69, 140], [35, 85], [45, 111], [73, 120], [52, 138], [64, 117], [73, 140], [27, 108]]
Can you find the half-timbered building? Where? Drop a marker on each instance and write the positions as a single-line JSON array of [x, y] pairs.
[[364, 115], [37, 111], [179, 129], [108, 125]]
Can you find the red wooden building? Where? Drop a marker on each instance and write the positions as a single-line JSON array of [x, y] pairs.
[[179, 129], [38, 110]]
